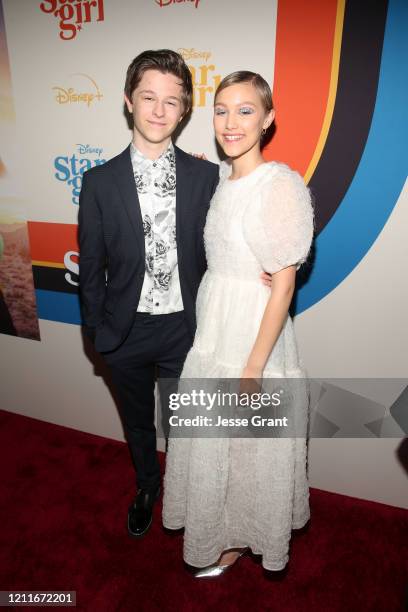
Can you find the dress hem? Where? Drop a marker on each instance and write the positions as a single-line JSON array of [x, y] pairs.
[[275, 568]]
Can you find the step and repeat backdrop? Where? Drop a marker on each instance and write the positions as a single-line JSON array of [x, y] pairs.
[[337, 72]]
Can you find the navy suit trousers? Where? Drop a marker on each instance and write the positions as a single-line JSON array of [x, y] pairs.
[[156, 347]]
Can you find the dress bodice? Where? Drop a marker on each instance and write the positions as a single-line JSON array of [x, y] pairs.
[[226, 248]]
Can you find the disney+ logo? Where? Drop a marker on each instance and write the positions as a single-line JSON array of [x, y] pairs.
[[70, 95], [69, 169]]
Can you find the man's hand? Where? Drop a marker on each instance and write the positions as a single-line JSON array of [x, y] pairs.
[[266, 279], [198, 155]]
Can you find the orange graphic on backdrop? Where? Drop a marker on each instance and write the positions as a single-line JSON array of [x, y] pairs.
[[51, 241], [305, 37]]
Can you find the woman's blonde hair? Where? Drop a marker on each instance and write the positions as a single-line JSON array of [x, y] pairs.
[[245, 76]]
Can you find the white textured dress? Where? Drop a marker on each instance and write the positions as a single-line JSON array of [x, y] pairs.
[[238, 492]]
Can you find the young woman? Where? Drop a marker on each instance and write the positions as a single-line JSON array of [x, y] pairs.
[[233, 494]]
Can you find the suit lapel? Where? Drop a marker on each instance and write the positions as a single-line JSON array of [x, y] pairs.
[[127, 187], [184, 178]]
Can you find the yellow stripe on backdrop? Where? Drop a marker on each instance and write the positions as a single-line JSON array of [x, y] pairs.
[[334, 76]]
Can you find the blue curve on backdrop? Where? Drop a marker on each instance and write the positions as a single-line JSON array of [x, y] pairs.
[[380, 175]]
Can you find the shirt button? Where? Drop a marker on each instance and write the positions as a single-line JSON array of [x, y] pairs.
[[154, 165], [157, 304]]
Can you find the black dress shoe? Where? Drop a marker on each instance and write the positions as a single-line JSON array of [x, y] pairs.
[[140, 513]]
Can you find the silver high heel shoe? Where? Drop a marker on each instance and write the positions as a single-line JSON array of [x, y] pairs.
[[215, 570]]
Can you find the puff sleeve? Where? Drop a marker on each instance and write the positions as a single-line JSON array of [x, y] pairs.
[[278, 223]]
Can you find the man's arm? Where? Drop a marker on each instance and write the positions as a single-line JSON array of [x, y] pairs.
[[92, 259], [216, 179]]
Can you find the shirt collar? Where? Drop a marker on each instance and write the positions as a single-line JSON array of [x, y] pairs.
[[141, 163]]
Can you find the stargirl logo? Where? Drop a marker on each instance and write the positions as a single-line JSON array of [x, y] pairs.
[[72, 96], [162, 3], [70, 168], [71, 259], [204, 75], [73, 14]]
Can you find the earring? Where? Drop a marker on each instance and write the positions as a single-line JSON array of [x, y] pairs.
[[263, 132]]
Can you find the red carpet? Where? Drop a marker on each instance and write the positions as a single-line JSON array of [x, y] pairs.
[[64, 498]]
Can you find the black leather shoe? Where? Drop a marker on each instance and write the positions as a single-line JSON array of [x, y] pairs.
[[140, 513]]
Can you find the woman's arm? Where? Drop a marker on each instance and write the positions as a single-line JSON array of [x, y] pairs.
[[278, 227], [274, 317]]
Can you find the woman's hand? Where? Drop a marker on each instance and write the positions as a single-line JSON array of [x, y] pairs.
[[251, 380]]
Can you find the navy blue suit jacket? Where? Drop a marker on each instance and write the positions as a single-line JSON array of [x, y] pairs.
[[112, 249]]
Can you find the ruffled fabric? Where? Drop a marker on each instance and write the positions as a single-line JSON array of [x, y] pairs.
[[240, 492], [279, 226]]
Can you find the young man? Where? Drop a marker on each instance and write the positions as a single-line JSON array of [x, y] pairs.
[[141, 221]]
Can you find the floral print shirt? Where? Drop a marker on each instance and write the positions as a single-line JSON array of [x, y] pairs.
[[156, 188]]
